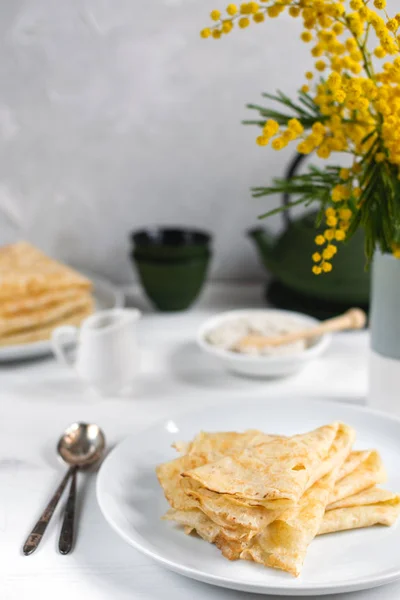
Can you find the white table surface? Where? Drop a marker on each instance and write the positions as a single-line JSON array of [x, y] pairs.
[[39, 399]]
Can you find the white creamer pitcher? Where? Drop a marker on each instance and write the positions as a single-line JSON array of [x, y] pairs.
[[107, 353]]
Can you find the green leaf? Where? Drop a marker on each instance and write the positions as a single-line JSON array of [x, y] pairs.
[[280, 209]]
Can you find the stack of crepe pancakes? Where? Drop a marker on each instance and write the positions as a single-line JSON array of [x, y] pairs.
[[266, 497], [37, 294]]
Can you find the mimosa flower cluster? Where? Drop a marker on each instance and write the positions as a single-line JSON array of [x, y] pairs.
[[354, 94]]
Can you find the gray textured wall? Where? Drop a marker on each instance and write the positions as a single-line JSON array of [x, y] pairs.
[[115, 114]]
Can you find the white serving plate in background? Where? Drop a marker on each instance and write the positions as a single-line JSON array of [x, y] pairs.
[[261, 366]]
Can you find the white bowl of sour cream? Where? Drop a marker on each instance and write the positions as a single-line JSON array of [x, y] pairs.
[[219, 334]]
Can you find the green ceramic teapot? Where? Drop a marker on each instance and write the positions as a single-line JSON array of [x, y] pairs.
[[288, 257]]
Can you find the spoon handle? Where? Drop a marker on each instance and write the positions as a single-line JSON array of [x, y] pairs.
[[66, 540], [37, 532], [355, 318]]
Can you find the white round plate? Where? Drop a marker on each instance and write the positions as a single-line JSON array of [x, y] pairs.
[[105, 296], [133, 502], [252, 365]]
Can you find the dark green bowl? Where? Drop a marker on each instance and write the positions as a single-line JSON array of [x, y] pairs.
[[169, 254], [166, 243], [172, 285]]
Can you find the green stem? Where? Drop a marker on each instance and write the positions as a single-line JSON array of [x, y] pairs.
[[368, 68]]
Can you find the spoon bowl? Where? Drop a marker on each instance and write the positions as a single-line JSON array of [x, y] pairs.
[[81, 445]]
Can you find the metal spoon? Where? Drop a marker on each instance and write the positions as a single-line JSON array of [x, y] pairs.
[[84, 440], [81, 446]]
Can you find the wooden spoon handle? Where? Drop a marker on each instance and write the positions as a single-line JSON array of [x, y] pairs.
[[355, 318]]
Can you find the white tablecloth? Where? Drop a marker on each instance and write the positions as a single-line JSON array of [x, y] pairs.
[[39, 399]]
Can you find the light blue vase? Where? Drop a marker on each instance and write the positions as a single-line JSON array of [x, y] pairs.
[[384, 363], [385, 305]]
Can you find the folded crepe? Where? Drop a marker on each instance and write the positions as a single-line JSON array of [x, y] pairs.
[[283, 543], [222, 516], [365, 509], [38, 294], [229, 513], [205, 448], [217, 444], [373, 506], [227, 510], [195, 519], [25, 271], [272, 474], [369, 471], [54, 313], [355, 458], [37, 334], [26, 304]]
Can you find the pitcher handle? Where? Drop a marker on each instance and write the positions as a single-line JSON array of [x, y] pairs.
[[62, 337]]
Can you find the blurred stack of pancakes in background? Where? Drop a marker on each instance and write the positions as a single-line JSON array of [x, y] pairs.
[[38, 294]]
